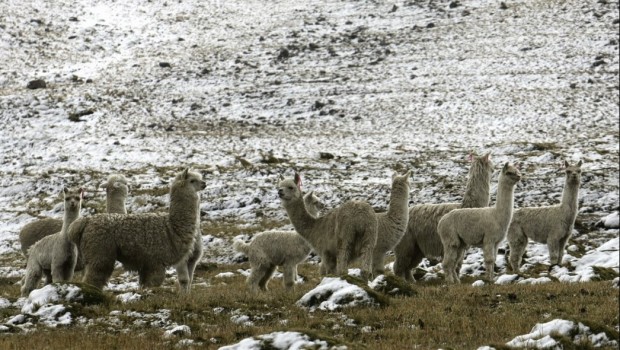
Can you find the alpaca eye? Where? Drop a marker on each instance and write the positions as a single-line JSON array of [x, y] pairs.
[[290, 188]]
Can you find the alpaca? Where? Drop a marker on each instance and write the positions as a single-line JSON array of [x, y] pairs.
[[116, 193], [277, 248], [393, 223], [341, 236], [484, 227], [54, 255], [146, 243], [421, 239], [552, 224]]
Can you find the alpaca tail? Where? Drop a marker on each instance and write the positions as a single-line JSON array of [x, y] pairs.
[[76, 229], [241, 247]]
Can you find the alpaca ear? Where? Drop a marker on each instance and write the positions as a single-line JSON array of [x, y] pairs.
[[566, 165], [470, 157], [280, 177], [185, 173], [82, 193], [298, 180], [408, 174], [579, 163], [505, 167], [65, 190], [487, 157]]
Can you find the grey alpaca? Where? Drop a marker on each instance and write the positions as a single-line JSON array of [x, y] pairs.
[[393, 223], [54, 256], [270, 249], [421, 239], [480, 227], [116, 193], [146, 243], [340, 237], [552, 225]]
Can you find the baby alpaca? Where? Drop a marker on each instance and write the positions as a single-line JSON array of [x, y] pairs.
[[116, 188], [146, 243], [552, 224], [340, 237], [277, 248], [54, 255], [393, 223], [421, 239], [484, 227]]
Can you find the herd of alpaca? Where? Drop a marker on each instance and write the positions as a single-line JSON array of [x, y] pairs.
[[150, 242]]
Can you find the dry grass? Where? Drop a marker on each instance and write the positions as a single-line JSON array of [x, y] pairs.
[[457, 317]]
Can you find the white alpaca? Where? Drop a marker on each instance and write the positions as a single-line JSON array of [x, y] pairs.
[[485, 227], [270, 249], [340, 236], [54, 256], [393, 223], [552, 225], [146, 243], [421, 239], [116, 194]]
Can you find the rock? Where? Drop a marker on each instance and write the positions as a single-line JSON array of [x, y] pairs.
[[454, 4], [503, 6], [283, 54], [37, 84], [326, 155], [394, 9], [165, 65]]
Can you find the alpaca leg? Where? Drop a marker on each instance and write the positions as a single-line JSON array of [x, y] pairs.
[[366, 257], [377, 263], [31, 279], [185, 269], [328, 264], [450, 255], [290, 272], [517, 249], [97, 273], [342, 258], [262, 284], [48, 277], [459, 261], [554, 251], [405, 262], [489, 250], [561, 249], [152, 277], [183, 276], [194, 260], [255, 277]]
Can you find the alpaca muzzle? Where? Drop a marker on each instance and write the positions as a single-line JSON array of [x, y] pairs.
[[281, 193]]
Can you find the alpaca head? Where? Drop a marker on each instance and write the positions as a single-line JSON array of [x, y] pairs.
[[116, 185], [313, 203], [481, 165], [401, 182], [73, 198], [573, 172], [189, 180], [510, 174], [289, 189]]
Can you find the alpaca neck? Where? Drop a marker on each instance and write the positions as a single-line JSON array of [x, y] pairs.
[[70, 216], [505, 200], [301, 220], [477, 192], [570, 195], [116, 205], [399, 201], [184, 214]]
